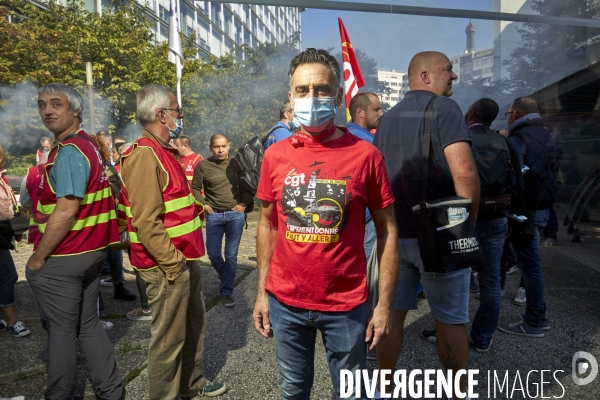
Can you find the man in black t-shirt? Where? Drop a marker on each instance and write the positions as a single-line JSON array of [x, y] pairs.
[[451, 172]]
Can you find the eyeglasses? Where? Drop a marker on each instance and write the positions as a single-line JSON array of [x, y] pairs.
[[507, 113], [178, 109]]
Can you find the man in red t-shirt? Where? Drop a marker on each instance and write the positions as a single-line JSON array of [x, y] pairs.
[[188, 159], [315, 188]]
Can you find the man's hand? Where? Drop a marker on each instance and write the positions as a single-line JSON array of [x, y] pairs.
[[260, 315], [510, 229], [208, 209], [240, 207], [378, 326], [35, 263]]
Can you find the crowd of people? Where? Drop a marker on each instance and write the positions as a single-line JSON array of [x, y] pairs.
[[331, 198]]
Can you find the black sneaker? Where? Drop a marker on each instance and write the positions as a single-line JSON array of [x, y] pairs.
[[121, 293], [2, 324], [212, 389], [228, 301], [512, 269], [17, 330], [481, 349], [522, 329], [545, 323], [429, 335]]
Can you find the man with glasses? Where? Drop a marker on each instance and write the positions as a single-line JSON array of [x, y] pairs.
[[165, 241]]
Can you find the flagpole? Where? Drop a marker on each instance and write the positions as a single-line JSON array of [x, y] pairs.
[[177, 69], [178, 66]]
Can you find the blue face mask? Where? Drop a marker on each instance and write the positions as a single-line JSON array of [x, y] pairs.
[[294, 125], [175, 133], [314, 113]]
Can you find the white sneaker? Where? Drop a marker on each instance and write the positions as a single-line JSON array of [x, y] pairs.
[[107, 282], [520, 298]]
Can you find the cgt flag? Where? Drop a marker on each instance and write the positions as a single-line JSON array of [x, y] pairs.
[[175, 53], [353, 78]]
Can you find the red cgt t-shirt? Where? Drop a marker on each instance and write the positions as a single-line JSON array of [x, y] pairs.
[[321, 191]]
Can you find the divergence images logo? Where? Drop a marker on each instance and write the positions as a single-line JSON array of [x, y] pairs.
[[583, 363]]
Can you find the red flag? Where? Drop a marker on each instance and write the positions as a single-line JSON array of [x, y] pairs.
[[353, 78]]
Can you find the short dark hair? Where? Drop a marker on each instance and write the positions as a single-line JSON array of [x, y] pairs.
[[525, 105], [185, 140], [284, 108], [313, 56], [217, 136], [360, 100], [487, 109]]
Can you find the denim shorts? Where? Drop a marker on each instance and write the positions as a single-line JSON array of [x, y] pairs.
[[8, 278], [447, 293]]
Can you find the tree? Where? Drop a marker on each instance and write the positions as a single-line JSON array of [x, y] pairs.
[[550, 52], [238, 98], [53, 44]]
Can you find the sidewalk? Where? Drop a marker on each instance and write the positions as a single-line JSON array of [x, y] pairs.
[[236, 355]]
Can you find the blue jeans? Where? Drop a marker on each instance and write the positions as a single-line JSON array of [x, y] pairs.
[[294, 335], [528, 256], [370, 238], [490, 234], [230, 224]]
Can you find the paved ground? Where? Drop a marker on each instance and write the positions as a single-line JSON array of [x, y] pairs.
[[238, 356]]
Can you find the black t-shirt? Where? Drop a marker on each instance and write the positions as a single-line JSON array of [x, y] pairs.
[[400, 138]]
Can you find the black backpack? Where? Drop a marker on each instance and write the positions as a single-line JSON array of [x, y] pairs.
[[492, 156], [247, 164]]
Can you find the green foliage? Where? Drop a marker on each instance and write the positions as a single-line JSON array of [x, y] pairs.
[[18, 165], [238, 94], [238, 98]]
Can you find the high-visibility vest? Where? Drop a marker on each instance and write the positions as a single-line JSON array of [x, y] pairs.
[[179, 215], [32, 183], [95, 226], [189, 165]]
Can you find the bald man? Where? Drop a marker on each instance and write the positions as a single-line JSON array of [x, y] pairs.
[[224, 206], [451, 172]]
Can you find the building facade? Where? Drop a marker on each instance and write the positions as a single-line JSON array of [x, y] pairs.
[[219, 27], [473, 65], [397, 81]]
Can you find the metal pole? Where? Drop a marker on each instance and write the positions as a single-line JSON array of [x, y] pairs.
[[90, 90]]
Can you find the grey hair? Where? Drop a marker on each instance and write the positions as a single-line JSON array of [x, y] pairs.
[[124, 147], [312, 56], [73, 97], [150, 99]]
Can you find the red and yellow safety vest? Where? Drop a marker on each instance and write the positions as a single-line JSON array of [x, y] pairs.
[[32, 183], [189, 163], [95, 226], [179, 214]]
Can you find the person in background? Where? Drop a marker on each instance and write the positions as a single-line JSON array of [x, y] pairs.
[[41, 157], [283, 128], [8, 271], [188, 159], [224, 205]]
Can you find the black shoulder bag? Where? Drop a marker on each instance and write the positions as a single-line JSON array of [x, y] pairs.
[[445, 231]]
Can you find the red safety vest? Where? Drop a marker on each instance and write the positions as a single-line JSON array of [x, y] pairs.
[[95, 226], [189, 163], [32, 183], [179, 214]]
